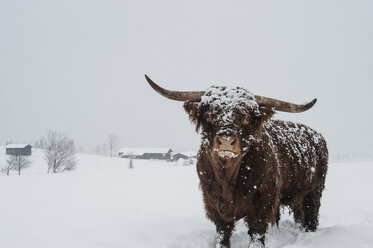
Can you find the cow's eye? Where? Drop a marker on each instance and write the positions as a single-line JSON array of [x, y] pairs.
[[208, 117], [246, 120]]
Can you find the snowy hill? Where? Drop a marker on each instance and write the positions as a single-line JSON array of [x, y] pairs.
[[158, 204]]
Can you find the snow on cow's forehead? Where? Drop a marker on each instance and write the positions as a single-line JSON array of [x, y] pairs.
[[219, 97], [224, 102]]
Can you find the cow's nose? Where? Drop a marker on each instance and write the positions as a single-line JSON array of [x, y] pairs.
[[226, 143]]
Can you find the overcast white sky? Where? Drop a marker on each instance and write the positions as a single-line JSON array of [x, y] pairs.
[[77, 66]]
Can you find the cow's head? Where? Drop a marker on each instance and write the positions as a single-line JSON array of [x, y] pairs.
[[230, 118]]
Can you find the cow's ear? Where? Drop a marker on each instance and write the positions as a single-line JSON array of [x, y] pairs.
[[259, 118], [266, 113], [191, 108]]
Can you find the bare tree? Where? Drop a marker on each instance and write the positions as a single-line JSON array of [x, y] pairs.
[[17, 162], [9, 166], [40, 143], [113, 142], [60, 152], [4, 171], [36, 144], [103, 149], [98, 149], [8, 142]]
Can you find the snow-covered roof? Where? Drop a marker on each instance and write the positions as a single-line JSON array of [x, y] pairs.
[[141, 151], [189, 153], [16, 145]]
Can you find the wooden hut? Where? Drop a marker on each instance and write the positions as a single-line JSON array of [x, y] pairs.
[[18, 149]]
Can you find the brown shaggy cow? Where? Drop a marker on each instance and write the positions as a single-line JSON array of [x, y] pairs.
[[249, 165]]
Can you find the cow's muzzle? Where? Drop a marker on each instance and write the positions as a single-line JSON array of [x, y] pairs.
[[226, 146]]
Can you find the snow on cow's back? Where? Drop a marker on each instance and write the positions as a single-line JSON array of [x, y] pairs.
[[300, 142]]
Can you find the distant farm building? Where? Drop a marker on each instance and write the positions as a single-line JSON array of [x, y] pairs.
[[184, 155], [178, 156], [18, 149], [146, 153]]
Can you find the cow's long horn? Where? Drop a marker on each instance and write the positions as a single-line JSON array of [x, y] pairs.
[[183, 96], [284, 106]]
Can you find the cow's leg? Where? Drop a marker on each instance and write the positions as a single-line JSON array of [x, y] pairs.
[[298, 214], [278, 217], [311, 202], [311, 206], [306, 212], [257, 233], [224, 232]]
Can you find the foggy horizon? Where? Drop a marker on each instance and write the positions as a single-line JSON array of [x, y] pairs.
[[78, 67]]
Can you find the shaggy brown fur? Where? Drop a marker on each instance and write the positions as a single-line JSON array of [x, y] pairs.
[[280, 163]]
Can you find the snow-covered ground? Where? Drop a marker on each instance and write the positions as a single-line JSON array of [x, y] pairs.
[[158, 204]]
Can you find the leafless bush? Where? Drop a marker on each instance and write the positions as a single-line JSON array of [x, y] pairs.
[[6, 169], [113, 142], [60, 152], [17, 162]]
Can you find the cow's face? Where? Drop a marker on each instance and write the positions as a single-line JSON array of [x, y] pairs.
[[230, 120]]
